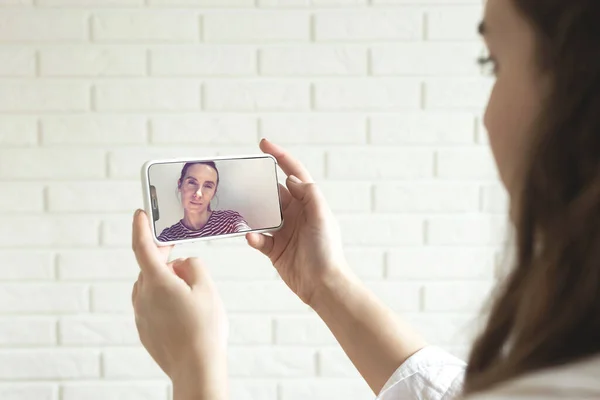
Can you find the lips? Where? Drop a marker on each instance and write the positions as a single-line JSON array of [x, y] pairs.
[[197, 204]]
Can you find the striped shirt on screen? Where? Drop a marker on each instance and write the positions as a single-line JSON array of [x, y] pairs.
[[219, 223]]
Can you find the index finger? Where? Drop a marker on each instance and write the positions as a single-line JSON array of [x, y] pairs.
[[147, 254], [286, 161]]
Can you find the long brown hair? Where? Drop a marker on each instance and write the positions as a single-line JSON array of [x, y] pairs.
[[547, 311]]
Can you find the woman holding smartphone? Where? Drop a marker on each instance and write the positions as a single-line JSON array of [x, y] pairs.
[[542, 338]]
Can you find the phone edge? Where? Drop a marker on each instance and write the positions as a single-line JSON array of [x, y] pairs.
[[147, 201]]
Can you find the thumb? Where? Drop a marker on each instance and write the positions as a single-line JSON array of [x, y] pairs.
[[309, 195], [260, 241], [191, 271], [305, 192]]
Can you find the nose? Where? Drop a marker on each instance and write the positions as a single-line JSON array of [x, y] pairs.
[[198, 193]]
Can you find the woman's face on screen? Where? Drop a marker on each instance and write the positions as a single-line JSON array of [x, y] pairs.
[[198, 187]]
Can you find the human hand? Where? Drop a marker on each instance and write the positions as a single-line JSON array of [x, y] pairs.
[[180, 318], [307, 251]]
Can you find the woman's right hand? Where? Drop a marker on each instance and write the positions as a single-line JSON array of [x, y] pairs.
[[307, 251]]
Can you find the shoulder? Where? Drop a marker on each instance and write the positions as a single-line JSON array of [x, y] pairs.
[[171, 230], [430, 373], [173, 227], [576, 380], [229, 215]]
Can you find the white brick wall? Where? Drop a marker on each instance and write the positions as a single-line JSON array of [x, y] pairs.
[[381, 99]]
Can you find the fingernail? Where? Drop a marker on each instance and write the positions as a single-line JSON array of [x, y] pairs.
[[294, 179], [137, 212]]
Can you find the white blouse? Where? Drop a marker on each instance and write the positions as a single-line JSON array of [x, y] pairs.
[[433, 374]]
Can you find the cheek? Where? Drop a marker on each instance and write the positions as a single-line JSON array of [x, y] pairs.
[[495, 121], [508, 120], [188, 191]]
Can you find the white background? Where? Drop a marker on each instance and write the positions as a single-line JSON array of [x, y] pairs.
[[380, 99], [248, 186]]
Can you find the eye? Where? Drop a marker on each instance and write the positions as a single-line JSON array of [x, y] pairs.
[[489, 65]]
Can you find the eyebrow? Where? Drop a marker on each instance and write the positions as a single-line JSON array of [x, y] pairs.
[[191, 177], [482, 29]]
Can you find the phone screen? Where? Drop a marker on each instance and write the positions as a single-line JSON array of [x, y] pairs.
[[211, 198]]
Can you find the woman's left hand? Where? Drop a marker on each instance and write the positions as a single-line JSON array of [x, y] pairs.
[[180, 318]]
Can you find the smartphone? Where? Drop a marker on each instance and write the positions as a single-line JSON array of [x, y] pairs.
[[194, 199]]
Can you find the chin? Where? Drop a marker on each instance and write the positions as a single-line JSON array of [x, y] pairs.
[[195, 207], [514, 208]]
